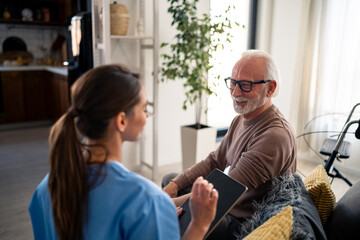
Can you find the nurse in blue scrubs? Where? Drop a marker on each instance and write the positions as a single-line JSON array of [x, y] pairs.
[[89, 193]]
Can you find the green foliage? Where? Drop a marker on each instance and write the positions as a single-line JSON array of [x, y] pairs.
[[190, 56]]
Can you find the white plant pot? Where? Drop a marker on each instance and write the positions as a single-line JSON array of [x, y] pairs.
[[196, 144]]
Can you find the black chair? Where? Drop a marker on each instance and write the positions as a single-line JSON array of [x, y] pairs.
[[338, 148]]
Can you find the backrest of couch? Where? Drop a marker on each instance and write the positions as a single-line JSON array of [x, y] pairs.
[[344, 221]]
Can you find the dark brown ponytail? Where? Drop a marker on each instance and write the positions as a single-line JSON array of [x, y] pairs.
[[97, 96], [68, 193]]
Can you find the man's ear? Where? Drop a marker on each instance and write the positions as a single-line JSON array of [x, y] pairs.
[[121, 121], [271, 88]]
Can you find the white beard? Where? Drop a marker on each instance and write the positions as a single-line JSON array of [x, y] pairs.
[[252, 104]]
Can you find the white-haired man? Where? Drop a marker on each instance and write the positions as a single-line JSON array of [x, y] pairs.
[[259, 145]]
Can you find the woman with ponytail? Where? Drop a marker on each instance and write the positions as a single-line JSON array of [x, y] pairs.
[[88, 193]]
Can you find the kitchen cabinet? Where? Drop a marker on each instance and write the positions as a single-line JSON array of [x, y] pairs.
[[13, 97], [33, 96], [57, 95]]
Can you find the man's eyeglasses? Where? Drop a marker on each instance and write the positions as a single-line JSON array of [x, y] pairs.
[[245, 86]]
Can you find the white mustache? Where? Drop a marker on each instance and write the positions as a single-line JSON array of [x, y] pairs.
[[239, 99]]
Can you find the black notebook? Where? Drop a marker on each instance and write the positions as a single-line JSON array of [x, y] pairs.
[[230, 192]]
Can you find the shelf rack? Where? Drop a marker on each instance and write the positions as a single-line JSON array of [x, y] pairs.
[[103, 55]]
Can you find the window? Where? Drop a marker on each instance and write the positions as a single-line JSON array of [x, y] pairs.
[[220, 107]]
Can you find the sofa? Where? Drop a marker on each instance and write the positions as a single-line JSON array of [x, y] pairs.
[[296, 208], [344, 221]]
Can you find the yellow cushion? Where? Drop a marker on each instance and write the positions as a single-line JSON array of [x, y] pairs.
[[277, 227], [318, 185]]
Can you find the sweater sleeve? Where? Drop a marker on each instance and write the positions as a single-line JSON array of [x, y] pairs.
[[270, 153], [216, 159]]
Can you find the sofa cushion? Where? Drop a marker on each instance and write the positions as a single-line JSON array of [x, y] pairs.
[[318, 185], [278, 227], [287, 190], [344, 221]]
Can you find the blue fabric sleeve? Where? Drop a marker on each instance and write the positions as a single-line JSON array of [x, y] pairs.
[[41, 213], [37, 217], [157, 219]]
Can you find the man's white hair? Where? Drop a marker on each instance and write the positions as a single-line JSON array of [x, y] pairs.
[[271, 68]]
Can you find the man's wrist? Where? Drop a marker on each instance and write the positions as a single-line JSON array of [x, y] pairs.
[[172, 188]]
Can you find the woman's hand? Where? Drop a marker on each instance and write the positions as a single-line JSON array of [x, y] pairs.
[[203, 201]]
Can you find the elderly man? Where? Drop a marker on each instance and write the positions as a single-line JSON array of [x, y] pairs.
[[259, 145]]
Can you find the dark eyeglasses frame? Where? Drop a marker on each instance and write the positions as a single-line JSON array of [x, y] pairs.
[[243, 81]]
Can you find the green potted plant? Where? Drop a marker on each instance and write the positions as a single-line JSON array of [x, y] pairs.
[[189, 61]]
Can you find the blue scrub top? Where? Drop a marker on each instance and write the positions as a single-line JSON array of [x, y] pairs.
[[123, 206]]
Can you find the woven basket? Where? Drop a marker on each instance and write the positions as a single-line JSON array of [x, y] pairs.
[[119, 19]]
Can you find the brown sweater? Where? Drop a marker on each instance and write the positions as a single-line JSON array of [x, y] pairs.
[[256, 150]]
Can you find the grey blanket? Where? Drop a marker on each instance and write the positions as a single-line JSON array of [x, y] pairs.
[[287, 190]]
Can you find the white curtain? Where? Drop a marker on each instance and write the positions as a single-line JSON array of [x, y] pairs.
[[328, 67]]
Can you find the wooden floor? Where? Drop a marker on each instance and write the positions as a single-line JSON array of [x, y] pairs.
[[24, 162]]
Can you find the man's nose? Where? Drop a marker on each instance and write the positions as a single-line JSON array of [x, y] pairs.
[[237, 91]]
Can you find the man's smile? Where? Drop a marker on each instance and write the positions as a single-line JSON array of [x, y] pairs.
[[240, 102]]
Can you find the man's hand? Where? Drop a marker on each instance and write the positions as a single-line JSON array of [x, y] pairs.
[[179, 211], [178, 201], [171, 189], [203, 201]]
